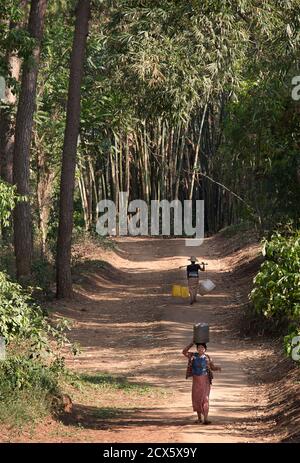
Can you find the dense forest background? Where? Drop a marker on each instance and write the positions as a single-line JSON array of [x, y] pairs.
[[165, 100]]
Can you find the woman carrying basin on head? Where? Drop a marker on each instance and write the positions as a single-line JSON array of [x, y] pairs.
[[200, 367]]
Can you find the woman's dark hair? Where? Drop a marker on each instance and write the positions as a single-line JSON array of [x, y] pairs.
[[201, 344]]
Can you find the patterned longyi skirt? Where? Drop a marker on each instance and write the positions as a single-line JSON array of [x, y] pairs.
[[200, 394]]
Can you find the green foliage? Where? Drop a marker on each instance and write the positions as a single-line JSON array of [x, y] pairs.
[[21, 318], [175, 54], [27, 387], [43, 275], [12, 38], [237, 56], [21, 372], [259, 154], [30, 376], [276, 292], [8, 199], [108, 382]]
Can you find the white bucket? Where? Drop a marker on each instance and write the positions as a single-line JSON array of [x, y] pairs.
[[206, 286]]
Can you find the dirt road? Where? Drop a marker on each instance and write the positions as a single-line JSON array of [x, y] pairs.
[[128, 324]]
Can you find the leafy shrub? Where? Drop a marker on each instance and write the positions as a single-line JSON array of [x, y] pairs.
[[43, 273], [21, 318], [27, 388], [20, 372], [7, 260], [8, 198], [28, 378], [276, 293]]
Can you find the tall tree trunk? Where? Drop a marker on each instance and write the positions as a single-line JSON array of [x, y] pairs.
[[21, 157], [45, 176], [7, 126], [7, 117], [64, 240]]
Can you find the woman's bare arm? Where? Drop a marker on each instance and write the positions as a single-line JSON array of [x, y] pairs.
[[212, 366], [186, 352], [202, 266]]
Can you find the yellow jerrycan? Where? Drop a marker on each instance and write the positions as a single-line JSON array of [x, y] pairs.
[[176, 291], [185, 291]]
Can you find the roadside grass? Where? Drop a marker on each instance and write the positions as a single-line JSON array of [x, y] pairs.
[[23, 408], [26, 393], [106, 382], [244, 229]]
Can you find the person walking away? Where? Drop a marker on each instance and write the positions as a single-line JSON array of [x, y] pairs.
[[193, 277]]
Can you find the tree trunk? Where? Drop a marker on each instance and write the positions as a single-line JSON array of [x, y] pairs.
[[21, 157], [44, 189], [64, 241], [7, 126], [7, 121]]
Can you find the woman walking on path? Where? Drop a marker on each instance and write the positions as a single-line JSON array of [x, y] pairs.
[[200, 367], [193, 277]]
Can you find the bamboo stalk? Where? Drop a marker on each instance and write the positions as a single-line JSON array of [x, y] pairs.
[[197, 150]]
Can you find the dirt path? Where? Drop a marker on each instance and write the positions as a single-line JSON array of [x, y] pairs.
[[128, 324]]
